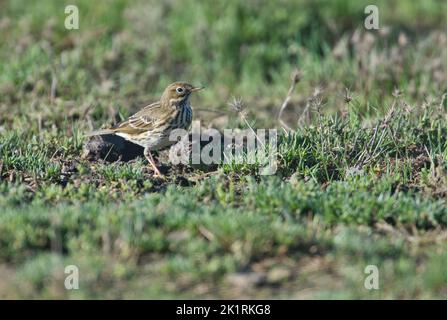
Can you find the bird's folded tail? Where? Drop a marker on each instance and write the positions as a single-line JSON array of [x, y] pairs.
[[100, 132]]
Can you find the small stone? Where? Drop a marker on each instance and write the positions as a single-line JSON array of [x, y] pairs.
[[246, 279], [278, 275]]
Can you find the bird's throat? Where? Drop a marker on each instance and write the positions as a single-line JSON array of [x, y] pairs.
[[179, 103]]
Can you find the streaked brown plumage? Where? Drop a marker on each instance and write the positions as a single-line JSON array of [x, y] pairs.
[[151, 126]]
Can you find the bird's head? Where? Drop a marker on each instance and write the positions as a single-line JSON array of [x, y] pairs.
[[178, 92]]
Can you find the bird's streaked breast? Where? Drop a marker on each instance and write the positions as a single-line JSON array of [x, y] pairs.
[[183, 118]]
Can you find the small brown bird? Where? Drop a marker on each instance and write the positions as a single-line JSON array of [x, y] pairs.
[[151, 126]]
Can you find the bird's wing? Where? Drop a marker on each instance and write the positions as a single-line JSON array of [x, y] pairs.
[[141, 121]]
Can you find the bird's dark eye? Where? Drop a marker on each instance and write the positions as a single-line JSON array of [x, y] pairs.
[[179, 90]]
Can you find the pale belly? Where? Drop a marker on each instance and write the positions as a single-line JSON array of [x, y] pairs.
[[149, 140], [156, 141]]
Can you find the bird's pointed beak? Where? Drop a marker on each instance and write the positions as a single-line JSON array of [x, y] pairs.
[[197, 89]]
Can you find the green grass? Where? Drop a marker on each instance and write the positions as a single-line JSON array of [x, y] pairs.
[[361, 181]]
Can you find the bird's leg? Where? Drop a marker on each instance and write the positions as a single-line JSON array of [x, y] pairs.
[[148, 155]]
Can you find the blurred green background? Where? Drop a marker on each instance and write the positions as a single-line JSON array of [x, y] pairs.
[[127, 52]]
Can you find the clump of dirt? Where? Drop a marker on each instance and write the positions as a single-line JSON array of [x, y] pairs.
[[111, 148]]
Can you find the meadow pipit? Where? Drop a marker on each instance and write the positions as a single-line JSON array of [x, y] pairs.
[[151, 126]]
